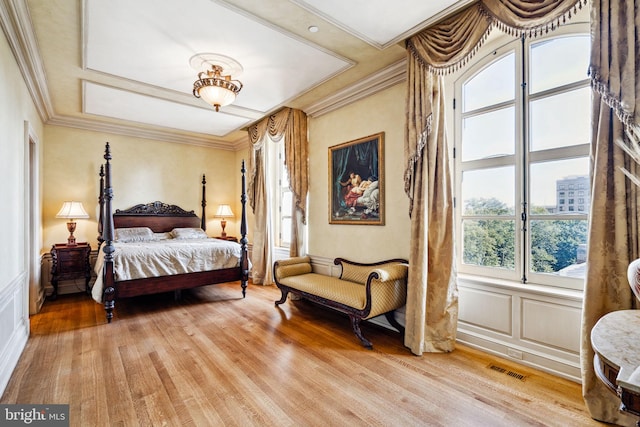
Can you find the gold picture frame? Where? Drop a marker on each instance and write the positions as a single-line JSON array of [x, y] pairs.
[[356, 181]]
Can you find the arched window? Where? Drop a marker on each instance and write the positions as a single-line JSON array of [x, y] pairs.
[[522, 129]]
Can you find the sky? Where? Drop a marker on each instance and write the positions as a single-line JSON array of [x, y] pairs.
[[560, 119]]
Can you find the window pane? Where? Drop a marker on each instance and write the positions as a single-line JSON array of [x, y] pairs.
[[489, 243], [285, 231], [557, 186], [488, 135], [559, 247], [284, 180], [489, 191], [561, 120], [493, 85], [286, 203], [558, 62]]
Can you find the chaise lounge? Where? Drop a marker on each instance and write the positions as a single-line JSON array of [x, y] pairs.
[[362, 291]]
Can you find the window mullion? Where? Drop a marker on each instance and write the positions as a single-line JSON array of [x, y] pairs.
[[524, 165]]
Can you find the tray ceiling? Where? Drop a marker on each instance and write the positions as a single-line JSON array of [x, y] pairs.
[[125, 65]]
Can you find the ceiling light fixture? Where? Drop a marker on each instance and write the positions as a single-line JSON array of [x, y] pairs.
[[215, 85]]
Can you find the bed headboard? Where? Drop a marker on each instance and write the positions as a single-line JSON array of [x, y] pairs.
[[159, 217]]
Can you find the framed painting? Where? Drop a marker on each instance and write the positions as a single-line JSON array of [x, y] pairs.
[[356, 181]]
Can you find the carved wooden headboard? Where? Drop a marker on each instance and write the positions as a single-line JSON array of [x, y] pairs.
[[159, 217]]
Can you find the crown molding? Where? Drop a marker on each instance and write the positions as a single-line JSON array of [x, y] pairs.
[[16, 24], [157, 135], [374, 83]]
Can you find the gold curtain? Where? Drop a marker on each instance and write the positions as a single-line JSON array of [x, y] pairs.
[[613, 231], [432, 301], [292, 125]]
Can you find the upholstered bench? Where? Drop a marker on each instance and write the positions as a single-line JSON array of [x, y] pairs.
[[362, 291]]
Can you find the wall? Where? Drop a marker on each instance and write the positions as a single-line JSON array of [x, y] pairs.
[[18, 119], [382, 112], [143, 171]]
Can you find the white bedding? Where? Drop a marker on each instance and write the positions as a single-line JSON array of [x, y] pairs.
[[137, 260]]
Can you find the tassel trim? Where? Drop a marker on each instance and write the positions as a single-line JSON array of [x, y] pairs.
[[532, 32], [409, 171]]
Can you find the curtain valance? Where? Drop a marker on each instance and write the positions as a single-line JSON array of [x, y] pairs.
[[292, 124], [449, 44]]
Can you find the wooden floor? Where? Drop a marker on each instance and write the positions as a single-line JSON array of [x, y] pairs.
[[216, 359]]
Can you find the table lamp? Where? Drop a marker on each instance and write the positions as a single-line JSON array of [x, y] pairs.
[[72, 211], [224, 211]]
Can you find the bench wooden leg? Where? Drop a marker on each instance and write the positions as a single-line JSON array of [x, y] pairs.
[[355, 324], [391, 318], [284, 292]]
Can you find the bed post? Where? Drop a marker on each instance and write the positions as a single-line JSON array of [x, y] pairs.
[[203, 219], [109, 293], [101, 204], [244, 260]]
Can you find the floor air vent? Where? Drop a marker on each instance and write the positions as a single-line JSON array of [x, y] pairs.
[[512, 374]]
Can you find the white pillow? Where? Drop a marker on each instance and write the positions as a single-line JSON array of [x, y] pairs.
[[162, 236], [133, 234], [189, 233]]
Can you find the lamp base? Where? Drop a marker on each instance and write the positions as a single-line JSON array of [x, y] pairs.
[[71, 240], [223, 224]]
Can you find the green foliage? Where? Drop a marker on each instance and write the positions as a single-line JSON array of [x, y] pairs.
[[491, 242]]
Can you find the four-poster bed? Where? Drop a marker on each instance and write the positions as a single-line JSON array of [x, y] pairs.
[[162, 233]]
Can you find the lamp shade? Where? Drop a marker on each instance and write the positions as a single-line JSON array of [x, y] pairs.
[[72, 210], [224, 211], [217, 96]]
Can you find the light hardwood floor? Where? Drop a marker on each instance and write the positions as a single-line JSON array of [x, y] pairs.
[[214, 359]]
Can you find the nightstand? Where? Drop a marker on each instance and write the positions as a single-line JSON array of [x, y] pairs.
[[230, 238], [70, 262]]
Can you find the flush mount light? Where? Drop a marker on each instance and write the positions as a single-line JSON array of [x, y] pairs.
[[313, 29], [215, 84]]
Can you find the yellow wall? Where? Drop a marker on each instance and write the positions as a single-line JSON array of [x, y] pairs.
[[146, 170], [143, 171], [382, 112]]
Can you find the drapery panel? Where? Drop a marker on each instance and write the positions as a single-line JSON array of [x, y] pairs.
[[432, 303], [292, 125], [613, 231], [432, 296]]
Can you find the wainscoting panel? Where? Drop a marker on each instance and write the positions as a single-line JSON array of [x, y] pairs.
[[323, 265], [474, 309], [544, 323], [13, 338]]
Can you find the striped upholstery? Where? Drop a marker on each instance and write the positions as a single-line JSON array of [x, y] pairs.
[[355, 273], [331, 288], [388, 292]]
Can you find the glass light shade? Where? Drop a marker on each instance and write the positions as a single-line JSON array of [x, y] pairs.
[[73, 210], [224, 211], [216, 95]]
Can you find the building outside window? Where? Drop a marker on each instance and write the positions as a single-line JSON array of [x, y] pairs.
[[522, 123]]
